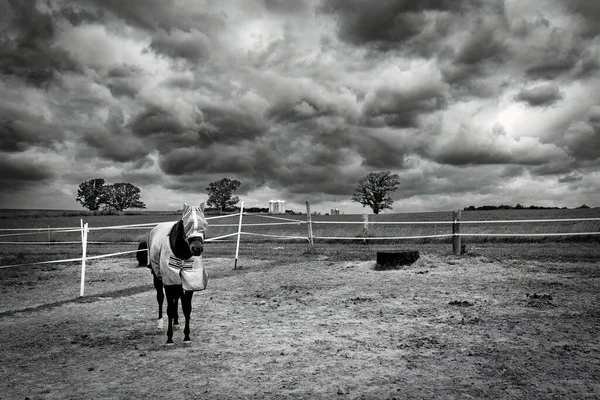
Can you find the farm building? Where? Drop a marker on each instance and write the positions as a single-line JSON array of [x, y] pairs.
[[277, 206]]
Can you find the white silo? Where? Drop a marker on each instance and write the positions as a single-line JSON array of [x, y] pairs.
[[277, 206]]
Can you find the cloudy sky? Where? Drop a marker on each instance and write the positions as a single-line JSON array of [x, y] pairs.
[[471, 102]]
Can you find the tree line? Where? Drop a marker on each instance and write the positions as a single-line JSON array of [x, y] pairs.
[[518, 207], [373, 190], [95, 194]]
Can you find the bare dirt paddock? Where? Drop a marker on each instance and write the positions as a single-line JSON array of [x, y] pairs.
[[309, 327]]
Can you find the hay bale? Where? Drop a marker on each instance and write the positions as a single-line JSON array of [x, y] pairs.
[[387, 260]]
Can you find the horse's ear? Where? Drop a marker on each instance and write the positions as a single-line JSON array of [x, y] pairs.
[[185, 207], [202, 206]]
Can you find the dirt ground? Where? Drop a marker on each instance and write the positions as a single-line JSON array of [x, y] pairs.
[[308, 327]]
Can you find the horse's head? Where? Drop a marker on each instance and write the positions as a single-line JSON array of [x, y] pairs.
[[194, 227]]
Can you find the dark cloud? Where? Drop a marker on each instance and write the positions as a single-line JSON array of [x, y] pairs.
[[77, 15], [192, 46], [551, 168], [386, 25], [20, 130], [286, 7], [582, 140], [299, 110], [123, 80], [512, 171], [401, 107], [556, 54], [155, 15], [123, 88], [214, 159], [572, 177], [15, 174], [590, 13], [594, 116], [550, 67], [440, 180], [227, 124], [27, 50], [155, 119], [167, 130], [589, 65], [473, 58], [466, 147], [292, 161], [481, 45], [522, 28], [114, 141], [380, 154], [540, 96], [301, 163], [463, 76], [124, 71]]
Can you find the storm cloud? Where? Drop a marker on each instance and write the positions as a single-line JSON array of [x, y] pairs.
[[540, 96], [469, 101]]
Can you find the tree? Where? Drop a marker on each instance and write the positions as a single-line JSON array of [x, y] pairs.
[[220, 193], [373, 190], [121, 196], [91, 194]]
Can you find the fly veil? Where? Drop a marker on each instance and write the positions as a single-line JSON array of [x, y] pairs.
[[169, 248]]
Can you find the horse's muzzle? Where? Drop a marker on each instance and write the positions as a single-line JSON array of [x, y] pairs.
[[196, 247]]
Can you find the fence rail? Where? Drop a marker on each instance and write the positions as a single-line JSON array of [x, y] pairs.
[[455, 222]]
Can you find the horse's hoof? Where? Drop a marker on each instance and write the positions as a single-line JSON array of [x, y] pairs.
[[171, 343], [187, 342]]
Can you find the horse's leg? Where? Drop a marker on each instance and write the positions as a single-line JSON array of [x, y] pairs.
[[160, 297], [171, 293], [176, 316], [186, 305]]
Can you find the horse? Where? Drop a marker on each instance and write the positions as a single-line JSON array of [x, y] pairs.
[[174, 257]]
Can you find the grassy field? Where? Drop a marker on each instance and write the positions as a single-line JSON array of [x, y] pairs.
[[349, 226]]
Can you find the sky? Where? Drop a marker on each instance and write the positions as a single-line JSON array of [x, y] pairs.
[[470, 102]]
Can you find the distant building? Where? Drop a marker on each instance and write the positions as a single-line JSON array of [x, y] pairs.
[[335, 211], [277, 206]]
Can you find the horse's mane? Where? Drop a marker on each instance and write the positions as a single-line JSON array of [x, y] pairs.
[[177, 241]]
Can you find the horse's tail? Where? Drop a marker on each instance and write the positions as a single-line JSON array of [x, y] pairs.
[[142, 254]]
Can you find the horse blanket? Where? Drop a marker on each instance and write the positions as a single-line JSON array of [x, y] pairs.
[[169, 254]]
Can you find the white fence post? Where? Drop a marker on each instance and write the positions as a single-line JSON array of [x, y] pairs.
[[365, 227], [456, 242], [309, 223], [237, 247], [84, 232]]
